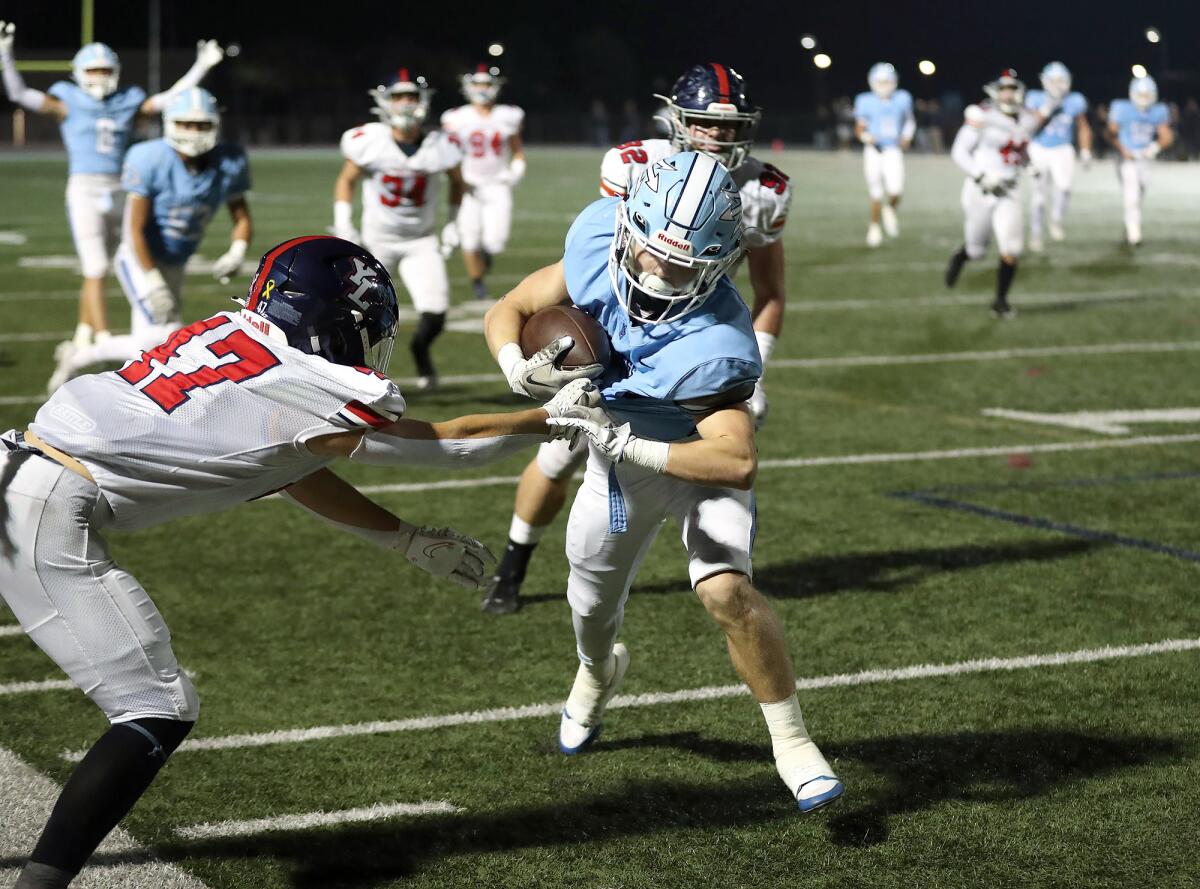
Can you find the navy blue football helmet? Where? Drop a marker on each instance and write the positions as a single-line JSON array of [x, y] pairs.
[[326, 297], [713, 98]]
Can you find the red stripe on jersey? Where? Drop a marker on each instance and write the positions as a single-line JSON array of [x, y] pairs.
[[610, 192], [722, 80], [372, 418], [270, 258]]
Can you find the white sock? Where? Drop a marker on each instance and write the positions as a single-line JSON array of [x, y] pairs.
[[83, 335], [590, 684], [766, 345], [101, 336], [786, 724], [520, 531]]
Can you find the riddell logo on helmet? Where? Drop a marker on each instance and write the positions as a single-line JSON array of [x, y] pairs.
[[681, 246]]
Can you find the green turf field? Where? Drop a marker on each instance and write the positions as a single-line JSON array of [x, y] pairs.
[[898, 526]]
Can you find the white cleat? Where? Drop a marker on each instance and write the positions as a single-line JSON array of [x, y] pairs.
[[427, 384], [1133, 234], [891, 225], [1056, 232], [810, 778], [581, 717], [64, 352], [874, 235]]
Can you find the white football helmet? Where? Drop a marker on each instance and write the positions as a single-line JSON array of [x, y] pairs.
[[403, 103], [483, 86], [192, 122], [1007, 91], [97, 70], [1143, 92], [883, 79], [1056, 80]]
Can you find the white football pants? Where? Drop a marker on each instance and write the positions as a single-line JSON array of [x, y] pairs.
[[559, 459], [1053, 172], [884, 171], [986, 215], [1134, 176], [485, 218], [93, 619], [716, 524], [420, 266], [94, 207]]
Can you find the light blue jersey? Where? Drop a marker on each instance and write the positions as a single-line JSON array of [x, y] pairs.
[[183, 201], [1135, 128], [656, 367], [1061, 128], [884, 118], [96, 132]]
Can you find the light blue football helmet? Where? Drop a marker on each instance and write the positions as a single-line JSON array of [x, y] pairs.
[[192, 106], [89, 67], [1143, 92], [883, 79], [1056, 80], [678, 233]]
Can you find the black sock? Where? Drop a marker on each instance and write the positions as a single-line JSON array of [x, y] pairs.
[[957, 261], [515, 560], [487, 261], [429, 326], [1004, 278], [103, 788]]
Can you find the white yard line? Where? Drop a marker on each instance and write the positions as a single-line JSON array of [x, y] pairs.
[[1105, 422], [11, 630], [979, 301], [28, 797], [24, 688], [991, 355], [652, 699], [310, 820]]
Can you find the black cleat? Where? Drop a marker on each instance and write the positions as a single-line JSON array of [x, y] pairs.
[[1002, 311], [502, 596], [955, 266]]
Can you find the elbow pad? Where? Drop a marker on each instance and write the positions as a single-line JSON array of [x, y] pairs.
[[383, 449]]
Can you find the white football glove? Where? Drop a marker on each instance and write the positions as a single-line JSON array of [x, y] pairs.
[[227, 265], [343, 225], [1150, 152], [444, 552], [516, 171], [209, 53], [451, 239], [579, 398], [157, 297], [617, 443], [541, 375], [758, 405], [7, 30]]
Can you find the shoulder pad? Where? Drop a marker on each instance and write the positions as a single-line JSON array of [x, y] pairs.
[[975, 115]]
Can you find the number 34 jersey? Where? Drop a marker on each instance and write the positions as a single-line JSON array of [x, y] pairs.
[[766, 192], [400, 191], [217, 415]]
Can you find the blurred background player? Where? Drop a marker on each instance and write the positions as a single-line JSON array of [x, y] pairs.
[[96, 119], [1052, 151], [709, 111], [401, 165], [991, 148], [685, 449], [493, 162], [174, 184], [885, 124], [1140, 128]]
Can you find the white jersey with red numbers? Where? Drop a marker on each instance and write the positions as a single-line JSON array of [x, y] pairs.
[[217, 415], [484, 140], [766, 192], [400, 192], [991, 140]]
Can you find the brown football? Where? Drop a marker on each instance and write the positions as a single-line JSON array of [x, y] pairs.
[[544, 327]]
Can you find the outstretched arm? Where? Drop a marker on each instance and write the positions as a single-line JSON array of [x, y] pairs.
[[18, 93], [208, 55]]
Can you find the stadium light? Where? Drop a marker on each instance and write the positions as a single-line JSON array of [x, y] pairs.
[[233, 50], [926, 67], [808, 41], [496, 50], [1138, 70], [822, 61], [1153, 35]]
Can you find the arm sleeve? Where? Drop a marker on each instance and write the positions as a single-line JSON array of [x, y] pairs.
[[14, 85], [385, 449], [192, 78], [962, 152]]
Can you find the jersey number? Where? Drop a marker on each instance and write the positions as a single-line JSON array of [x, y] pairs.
[[774, 178], [631, 153], [406, 190], [106, 135], [479, 144], [169, 392]]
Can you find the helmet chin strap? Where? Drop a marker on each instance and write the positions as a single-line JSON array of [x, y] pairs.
[[653, 285]]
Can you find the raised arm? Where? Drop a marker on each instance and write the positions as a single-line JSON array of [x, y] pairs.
[[208, 55], [18, 93]]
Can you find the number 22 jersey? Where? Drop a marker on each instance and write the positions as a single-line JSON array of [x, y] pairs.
[[399, 191], [217, 415]]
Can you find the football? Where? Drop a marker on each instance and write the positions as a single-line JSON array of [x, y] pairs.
[[591, 341]]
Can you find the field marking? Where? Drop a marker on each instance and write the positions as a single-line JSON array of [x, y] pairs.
[[990, 355], [7, 630], [979, 300], [311, 820], [1104, 422], [653, 699], [22, 688], [12, 239], [28, 798]]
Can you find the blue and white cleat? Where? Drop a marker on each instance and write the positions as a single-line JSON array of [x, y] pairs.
[[581, 717], [809, 776], [818, 792]]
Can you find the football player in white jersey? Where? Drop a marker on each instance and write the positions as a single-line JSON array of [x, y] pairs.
[[97, 122], [992, 148], [401, 166], [493, 162], [885, 124], [185, 430], [710, 112]]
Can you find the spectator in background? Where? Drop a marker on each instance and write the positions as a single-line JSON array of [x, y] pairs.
[[843, 113], [1099, 121], [1189, 129], [598, 125], [823, 134], [631, 122], [937, 121]]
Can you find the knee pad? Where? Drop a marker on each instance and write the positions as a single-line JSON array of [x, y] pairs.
[[428, 327], [163, 735]]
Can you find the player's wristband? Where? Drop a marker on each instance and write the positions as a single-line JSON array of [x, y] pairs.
[[643, 452], [509, 358], [154, 279], [766, 345], [343, 213], [516, 170], [238, 248]]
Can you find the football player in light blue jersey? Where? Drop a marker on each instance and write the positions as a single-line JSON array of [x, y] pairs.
[[885, 124], [1052, 151], [651, 268], [175, 184], [96, 119], [1139, 127]]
